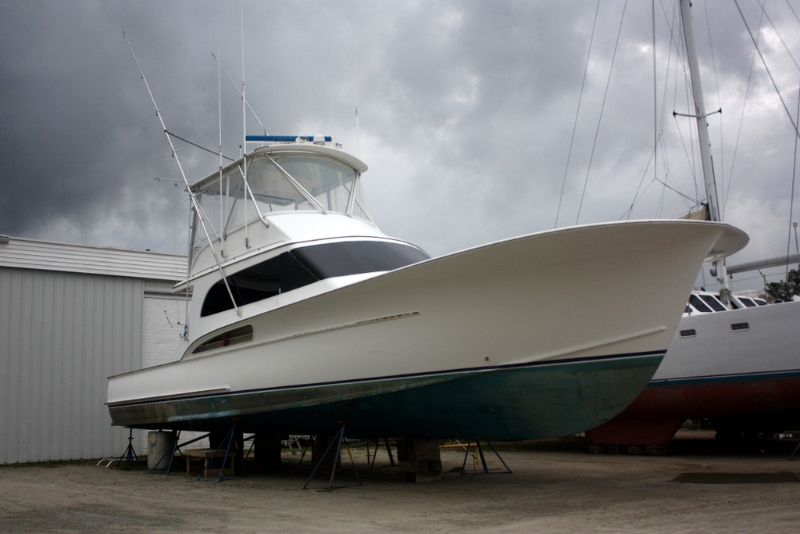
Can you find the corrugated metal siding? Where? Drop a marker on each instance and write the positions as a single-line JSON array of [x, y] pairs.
[[61, 335], [32, 254]]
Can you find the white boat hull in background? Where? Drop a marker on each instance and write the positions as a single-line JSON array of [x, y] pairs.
[[745, 379]]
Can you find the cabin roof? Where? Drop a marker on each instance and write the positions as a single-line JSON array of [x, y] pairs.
[[298, 148]]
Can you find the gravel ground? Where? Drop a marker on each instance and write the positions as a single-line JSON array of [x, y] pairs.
[[555, 487]]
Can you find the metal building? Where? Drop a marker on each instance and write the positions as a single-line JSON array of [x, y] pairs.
[[70, 316]]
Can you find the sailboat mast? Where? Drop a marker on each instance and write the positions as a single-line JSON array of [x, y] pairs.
[[702, 130]]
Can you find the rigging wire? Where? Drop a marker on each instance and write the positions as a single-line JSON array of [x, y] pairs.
[[602, 108], [791, 201], [659, 130], [198, 146], [793, 11], [655, 90], [219, 63], [775, 85], [577, 112], [741, 118], [785, 47]]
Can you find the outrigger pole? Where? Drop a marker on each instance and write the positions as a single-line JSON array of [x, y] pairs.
[[195, 204]]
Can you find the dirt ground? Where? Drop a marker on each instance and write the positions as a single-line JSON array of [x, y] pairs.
[[555, 487]]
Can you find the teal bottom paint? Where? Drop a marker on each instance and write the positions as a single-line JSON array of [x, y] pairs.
[[534, 402]]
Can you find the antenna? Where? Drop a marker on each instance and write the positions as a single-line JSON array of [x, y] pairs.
[[255, 116], [192, 197], [219, 114], [244, 99], [244, 138], [355, 72]]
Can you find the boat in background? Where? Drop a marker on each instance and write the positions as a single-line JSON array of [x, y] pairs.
[[304, 314], [737, 367], [734, 359]]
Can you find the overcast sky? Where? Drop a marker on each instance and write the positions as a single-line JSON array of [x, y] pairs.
[[466, 112]]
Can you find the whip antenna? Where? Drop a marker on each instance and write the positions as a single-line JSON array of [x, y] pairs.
[[355, 72], [252, 111], [195, 204]]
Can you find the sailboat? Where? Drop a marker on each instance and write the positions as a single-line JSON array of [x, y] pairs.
[[734, 359]]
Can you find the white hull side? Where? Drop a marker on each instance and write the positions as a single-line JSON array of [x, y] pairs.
[[771, 344], [565, 294]]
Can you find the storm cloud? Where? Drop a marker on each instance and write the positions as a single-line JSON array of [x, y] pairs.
[[466, 112]]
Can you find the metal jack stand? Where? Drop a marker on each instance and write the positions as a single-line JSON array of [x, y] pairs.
[[375, 454], [303, 455], [338, 439], [792, 458], [253, 444], [128, 457], [230, 440], [173, 449], [483, 459]]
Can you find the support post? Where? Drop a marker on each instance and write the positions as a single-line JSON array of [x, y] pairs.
[[267, 452], [420, 459]]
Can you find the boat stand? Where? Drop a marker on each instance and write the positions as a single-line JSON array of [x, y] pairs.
[[172, 451], [128, 457], [483, 459], [375, 453], [253, 444], [792, 457], [338, 440], [229, 438]]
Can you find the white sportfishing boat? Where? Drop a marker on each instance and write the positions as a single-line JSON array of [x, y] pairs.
[[304, 314], [734, 359]]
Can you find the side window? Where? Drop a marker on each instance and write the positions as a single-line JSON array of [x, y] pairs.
[[698, 304], [713, 303], [259, 282], [231, 337], [303, 266]]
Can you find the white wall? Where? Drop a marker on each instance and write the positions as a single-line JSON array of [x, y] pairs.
[[61, 335]]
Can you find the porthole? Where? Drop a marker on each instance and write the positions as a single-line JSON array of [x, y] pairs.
[[688, 333], [739, 327]]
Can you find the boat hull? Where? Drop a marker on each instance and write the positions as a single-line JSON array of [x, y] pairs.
[[740, 379], [528, 402], [477, 327]]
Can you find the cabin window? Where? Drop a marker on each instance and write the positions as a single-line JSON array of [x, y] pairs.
[[713, 303], [688, 333], [738, 327], [356, 257], [747, 302], [231, 337], [698, 304], [328, 181], [303, 266], [227, 204], [760, 302]]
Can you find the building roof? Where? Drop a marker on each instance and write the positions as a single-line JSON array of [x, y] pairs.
[[22, 253]]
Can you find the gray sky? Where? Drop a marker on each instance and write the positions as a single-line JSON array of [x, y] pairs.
[[466, 112]]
